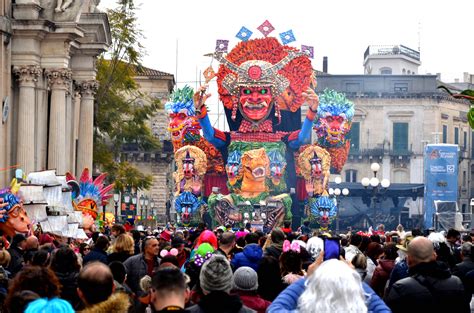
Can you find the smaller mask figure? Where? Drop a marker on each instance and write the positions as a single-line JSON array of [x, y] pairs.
[[277, 166], [314, 163], [333, 123], [324, 208], [92, 193], [187, 205], [191, 167], [13, 216], [234, 167]]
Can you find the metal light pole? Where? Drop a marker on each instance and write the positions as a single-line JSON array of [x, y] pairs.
[[335, 193], [152, 206], [147, 201], [116, 200], [142, 202], [377, 187], [134, 201]]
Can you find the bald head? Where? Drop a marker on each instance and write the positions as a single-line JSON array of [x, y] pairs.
[[32, 243], [95, 283], [420, 250]]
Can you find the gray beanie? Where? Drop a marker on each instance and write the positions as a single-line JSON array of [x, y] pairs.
[[246, 279], [216, 275]]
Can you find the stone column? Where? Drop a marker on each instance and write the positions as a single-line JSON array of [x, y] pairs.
[[25, 153], [59, 80], [86, 125]]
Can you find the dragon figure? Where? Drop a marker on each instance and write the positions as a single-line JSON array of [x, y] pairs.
[[88, 196], [334, 120], [314, 164], [13, 216], [185, 129]]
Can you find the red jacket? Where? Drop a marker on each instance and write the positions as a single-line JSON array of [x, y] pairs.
[[254, 301], [381, 276]]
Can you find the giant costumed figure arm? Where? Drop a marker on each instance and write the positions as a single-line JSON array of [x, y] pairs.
[[216, 137], [297, 139]]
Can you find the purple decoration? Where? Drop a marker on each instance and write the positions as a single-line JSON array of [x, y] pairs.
[[309, 50], [266, 28], [244, 34], [287, 37], [222, 45]]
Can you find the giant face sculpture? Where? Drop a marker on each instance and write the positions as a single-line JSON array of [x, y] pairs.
[[316, 168], [255, 102], [183, 127], [255, 164], [234, 167], [15, 219], [314, 163], [188, 166], [187, 206]]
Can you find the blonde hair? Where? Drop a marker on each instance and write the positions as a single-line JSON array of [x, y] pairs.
[[333, 287], [124, 243], [4, 258]]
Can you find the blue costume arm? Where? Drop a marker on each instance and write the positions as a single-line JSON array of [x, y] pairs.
[[209, 132], [304, 136]]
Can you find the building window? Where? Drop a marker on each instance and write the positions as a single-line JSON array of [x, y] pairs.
[[456, 135], [400, 176], [354, 136], [400, 87], [351, 176], [400, 137], [445, 133], [464, 141], [385, 71], [464, 178], [404, 71]]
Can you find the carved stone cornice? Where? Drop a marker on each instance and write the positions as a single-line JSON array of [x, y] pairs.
[[27, 74], [59, 78], [88, 88]]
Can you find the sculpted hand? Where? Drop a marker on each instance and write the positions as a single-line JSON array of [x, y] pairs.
[[311, 98], [200, 97]]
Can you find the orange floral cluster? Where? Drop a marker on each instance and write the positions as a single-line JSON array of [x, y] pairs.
[[298, 71], [339, 156]]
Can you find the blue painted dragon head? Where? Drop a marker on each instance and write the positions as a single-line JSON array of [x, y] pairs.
[[183, 124], [234, 167], [277, 166], [325, 208], [187, 205], [334, 120]]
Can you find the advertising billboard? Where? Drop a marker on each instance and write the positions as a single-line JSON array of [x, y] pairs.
[[441, 177]]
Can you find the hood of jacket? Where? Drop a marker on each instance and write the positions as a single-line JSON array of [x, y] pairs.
[[387, 265], [433, 269], [253, 252], [117, 303]]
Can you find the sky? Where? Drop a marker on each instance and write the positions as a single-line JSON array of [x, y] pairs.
[[179, 32], [339, 29]]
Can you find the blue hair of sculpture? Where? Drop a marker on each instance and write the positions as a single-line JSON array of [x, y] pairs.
[[324, 203], [187, 199], [335, 103], [181, 100]]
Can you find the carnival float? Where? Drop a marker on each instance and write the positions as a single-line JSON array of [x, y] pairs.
[[266, 165], [58, 205]]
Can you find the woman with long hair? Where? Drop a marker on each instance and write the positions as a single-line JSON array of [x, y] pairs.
[[291, 264], [122, 249]]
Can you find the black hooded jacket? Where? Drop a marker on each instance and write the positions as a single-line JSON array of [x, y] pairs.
[[430, 288]]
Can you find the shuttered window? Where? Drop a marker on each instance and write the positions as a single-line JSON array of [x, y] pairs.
[[400, 137], [354, 136]]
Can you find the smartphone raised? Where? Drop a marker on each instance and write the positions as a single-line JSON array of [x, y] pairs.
[[332, 248]]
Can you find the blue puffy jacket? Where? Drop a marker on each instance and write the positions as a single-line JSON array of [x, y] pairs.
[[287, 300], [250, 257]]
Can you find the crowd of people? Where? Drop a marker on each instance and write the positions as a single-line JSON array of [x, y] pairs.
[[237, 270]]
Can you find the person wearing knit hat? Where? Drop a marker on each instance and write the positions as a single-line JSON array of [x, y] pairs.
[[216, 283], [245, 284]]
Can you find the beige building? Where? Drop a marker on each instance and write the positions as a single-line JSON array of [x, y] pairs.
[[396, 115], [159, 164], [47, 83]]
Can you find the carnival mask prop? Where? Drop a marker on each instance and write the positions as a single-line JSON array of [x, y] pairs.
[[191, 166], [325, 208], [277, 166], [255, 102], [14, 219], [187, 205], [234, 167], [188, 166], [314, 164], [316, 168], [255, 164]]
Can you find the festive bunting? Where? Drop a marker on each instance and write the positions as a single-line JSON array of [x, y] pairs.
[[222, 45], [266, 28], [287, 37], [244, 34], [309, 50]]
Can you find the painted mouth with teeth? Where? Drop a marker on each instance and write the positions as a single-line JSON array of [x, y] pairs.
[[255, 111], [258, 172]]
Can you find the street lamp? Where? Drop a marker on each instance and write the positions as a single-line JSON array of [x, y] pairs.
[[142, 202], [336, 192], [134, 201], [127, 199], [378, 186], [147, 201], [152, 206], [116, 200]]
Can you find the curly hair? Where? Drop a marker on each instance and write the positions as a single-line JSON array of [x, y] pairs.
[[124, 243], [40, 280], [334, 286], [291, 262]]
